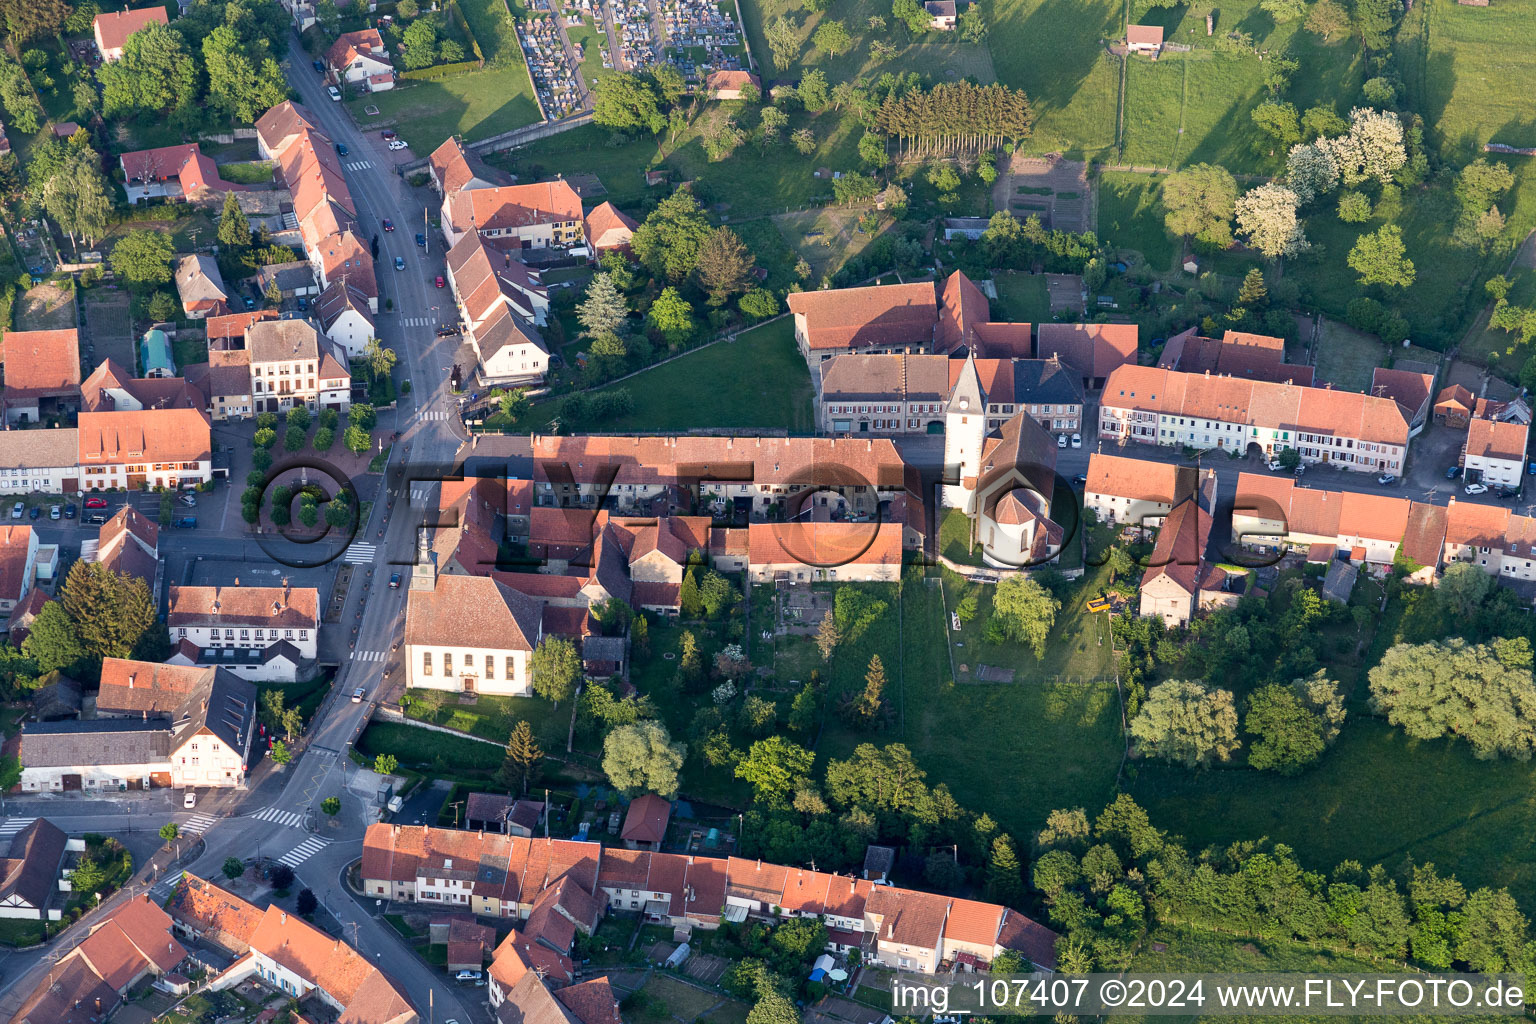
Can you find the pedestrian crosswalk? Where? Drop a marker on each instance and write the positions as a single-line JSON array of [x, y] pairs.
[[13, 826], [358, 553], [369, 656], [278, 816], [301, 853], [418, 321], [433, 414], [197, 824], [359, 165], [164, 887], [421, 494]]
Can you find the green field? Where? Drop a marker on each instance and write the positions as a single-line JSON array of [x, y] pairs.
[[1347, 357], [1021, 298], [1473, 79], [1154, 101], [1131, 217], [474, 106], [1052, 50], [936, 55], [493, 29], [1194, 108], [757, 381]]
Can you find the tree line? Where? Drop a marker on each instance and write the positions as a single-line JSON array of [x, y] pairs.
[[956, 117]]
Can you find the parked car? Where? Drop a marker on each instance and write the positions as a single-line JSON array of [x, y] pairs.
[[53, 513], [1061, 440], [394, 581], [1452, 472], [1475, 489], [421, 239], [1273, 464], [190, 800], [389, 225], [341, 149], [35, 513], [447, 331], [440, 282], [467, 976], [386, 134], [95, 502], [399, 263], [185, 522], [187, 499], [1077, 440], [96, 518], [69, 512], [358, 695], [318, 65], [397, 144], [1080, 479], [303, 303], [334, 93], [1385, 479], [17, 510]]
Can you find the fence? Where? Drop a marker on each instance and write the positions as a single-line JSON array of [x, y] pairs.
[[225, 138]]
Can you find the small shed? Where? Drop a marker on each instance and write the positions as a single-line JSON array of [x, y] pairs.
[[155, 354], [645, 826], [1146, 39], [878, 861], [1339, 581]]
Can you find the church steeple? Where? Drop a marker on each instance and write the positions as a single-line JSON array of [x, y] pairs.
[[965, 433], [424, 572]]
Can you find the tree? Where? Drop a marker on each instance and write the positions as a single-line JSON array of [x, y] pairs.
[[244, 81], [523, 759], [911, 14], [725, 265], [719, 135], [1480, 693], [1373, 20], [671, 316], [771, 121], [642, 757], [1327, 19], [1186, 722], [832, 38], [420, 44], [556, 668], [1462, 589], [669, 82], [385, 764], [973, 25], [1354, 207], [77, 196], [668, 240], [1311, 171], [1200, 201], [169, 832], [1374, 147], [26, 113], [1266, 219], [1279, 121], [802, 710], [783, 42], [112, 612], [604, 310], [234, 867], [1287, 736], [1480, 184], [1025, 611], [827, 636], [1381, 258], [331, 805], [356, 440], [363, 415], [143, 258], [26, 20], [281, 876], [156, 74], [772, 765], [280, 753], [305, 903], [52, 641], [379, 360], [1005, 875], [627, 102], [758, 304], [813, 90], [1283, 11], [773, 1008]]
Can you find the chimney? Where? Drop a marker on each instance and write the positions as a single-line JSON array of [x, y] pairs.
[[130, 681]]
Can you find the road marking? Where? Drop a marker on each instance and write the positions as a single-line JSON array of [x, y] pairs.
[[13, 826], [163, 887], [421, 494], [433, 414], [359, 165], [197, 824], [359, 553], [278, 816], [301, 853], [368, 655]]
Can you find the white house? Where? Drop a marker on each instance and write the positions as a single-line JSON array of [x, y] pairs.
[[39, 461], [468, 633], [144, 448], [260, 633], [291, 364], [345, 317], [1495, 452], [360, 57], [18, 564]]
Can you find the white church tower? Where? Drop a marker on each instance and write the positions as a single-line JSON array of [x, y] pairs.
[[965, 432]]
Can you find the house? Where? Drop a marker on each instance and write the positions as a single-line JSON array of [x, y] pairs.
[[1136, 492], [171, 172], [361, 57], [58, 696], [1178, 577], [806, 551], [941, 14], [260, 633], [492, 812], [293, 280], [537, 216], [210, 713], [728, 85], [1094, 351], [605, 657], [39, 461], [291, 364], [1009, 499], [468, 943], [29, 871], [1453, 406], [1235, 354], [875, 318], [148, 447], [1494, 452], [1423, 541], [1275, 515], [129, 544], [453, 168], [645, 823], [345, 317], [501, 302], [200, 286], [1148, 405], [111, 388], [156, 357], [608, 227], [100, 755], [228, 384], [89, 982], [1411, 390], [1145, 39], [468, 633], [42, 375], [112, 30], [18, 564]]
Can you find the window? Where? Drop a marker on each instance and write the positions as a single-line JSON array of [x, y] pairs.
[[490, 666], [511, 669], [447, 663], [426, 663]]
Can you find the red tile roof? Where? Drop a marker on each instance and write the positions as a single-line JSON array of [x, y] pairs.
[[112, 30], [146, 435], [855, 318], [592, 1002], [514, 206], [1146, 35], [281, 607], [646, 821], [608, 227], [42, 363], [351, 45], [1093, 350], [824, 545], [184, 163], [1486, 439]]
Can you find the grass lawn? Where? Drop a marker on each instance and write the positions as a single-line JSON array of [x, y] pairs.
[[1021, 298], [1471, 82], [421, 748], [305, 696], [254, 172], [493, 29], [1346, 357], [683, 1001], [1193, 108], [188, 348], [1489, 342], [1052, 50], [1154, 100], [493, 718], [475, 106], [758, 380], [1131, 217], [19, 932], [1376, 797]]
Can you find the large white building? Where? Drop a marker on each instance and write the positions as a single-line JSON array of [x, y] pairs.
[[293, 364], [144, 448], [261, 633]]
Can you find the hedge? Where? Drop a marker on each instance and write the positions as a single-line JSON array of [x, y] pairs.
[[452, 7], [438, 71]]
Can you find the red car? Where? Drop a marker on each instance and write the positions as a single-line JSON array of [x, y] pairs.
[[389, 225], [387, 134], [440, 282], [95, 502]]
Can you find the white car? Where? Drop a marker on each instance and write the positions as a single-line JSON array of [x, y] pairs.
[[190, 800], [1077, 440], [1274, 464], [1061, 440], [396, 144], [334, 92], [358, 695], [467, 976], [1476, 489]]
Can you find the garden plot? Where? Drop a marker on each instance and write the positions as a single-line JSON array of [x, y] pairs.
[[1054, 189], [46, 307]]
